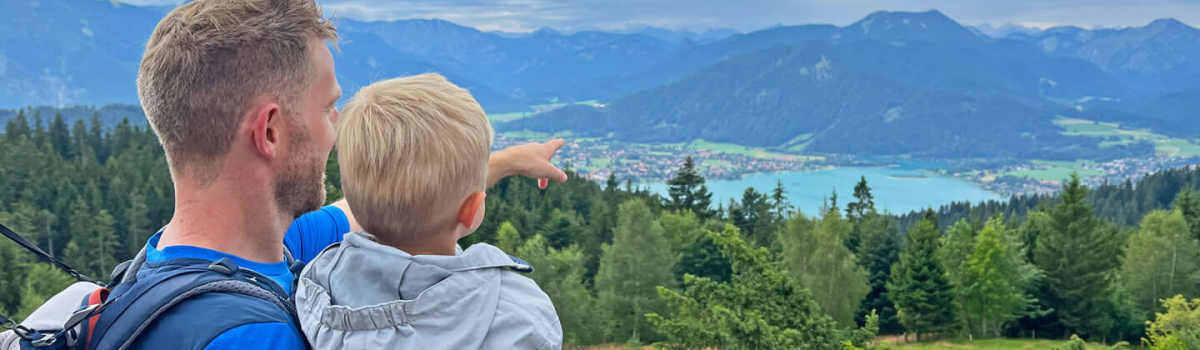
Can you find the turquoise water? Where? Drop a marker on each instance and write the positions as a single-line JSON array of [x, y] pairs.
[[893, 191]]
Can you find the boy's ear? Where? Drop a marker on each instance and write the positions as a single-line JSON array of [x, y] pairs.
[[471, 207]]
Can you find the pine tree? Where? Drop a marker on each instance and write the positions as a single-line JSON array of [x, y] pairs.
[[1161, 261], [1188, 204], [137, 224], [95, 138], [1077, 252], [754, 218], [631, 268], [60, 137], [863, 202], [688, 192], [122, 139], [877, 252], [79, 228], [79, 141], [17, 127], [39, 131], [103, 245], [611, 185], [863, 205], [11, 277], [780, 202], [924, 298]]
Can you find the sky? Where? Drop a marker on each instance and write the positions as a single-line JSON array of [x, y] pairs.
[[748, 15]]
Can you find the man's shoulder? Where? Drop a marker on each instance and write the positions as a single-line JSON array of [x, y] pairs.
[[215, 320]]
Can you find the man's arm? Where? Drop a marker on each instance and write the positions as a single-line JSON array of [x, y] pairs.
[[529, 160]]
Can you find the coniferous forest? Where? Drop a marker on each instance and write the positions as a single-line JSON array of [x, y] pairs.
[[624, 265]]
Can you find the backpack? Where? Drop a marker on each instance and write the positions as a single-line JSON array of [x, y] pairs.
[[89, 315]]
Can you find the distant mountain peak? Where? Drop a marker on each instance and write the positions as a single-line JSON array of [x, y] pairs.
[[547, 31], [1168, 24]]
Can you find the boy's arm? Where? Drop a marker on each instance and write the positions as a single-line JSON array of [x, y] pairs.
[[529, 160]]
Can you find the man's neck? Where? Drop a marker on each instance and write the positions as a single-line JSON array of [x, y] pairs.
[[230, 220]]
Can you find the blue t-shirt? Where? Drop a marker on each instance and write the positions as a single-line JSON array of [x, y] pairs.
[[307, 237]]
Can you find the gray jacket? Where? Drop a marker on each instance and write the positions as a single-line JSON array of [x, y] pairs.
[[365, 295]]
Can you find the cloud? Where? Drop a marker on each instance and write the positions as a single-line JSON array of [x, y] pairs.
[[746, 15]]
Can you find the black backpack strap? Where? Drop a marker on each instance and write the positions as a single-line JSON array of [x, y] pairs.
[[33, 248]]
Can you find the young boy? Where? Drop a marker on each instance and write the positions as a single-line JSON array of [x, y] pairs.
[[413, 153]]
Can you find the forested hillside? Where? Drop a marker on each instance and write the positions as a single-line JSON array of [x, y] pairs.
[[870, 99], [624, 265]]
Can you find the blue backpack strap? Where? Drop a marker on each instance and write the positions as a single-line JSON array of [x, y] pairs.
[[136, 304]]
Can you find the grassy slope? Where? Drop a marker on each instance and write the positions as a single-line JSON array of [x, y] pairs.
[[1163, 145], [992, 344], [985, 344]]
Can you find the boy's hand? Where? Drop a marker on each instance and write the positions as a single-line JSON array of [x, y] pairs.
[[529, 160]]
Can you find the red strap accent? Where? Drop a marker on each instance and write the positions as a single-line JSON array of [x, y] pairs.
[[97, 297]]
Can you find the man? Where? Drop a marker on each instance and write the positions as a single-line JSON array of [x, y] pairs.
[[242, 96]]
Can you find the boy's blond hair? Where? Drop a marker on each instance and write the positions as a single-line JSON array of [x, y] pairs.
[[410, 150]]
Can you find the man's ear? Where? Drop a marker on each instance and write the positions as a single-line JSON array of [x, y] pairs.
[[470, 208], [264, 129]]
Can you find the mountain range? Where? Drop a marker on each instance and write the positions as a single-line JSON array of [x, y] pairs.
[[899, 83], [892, 75]]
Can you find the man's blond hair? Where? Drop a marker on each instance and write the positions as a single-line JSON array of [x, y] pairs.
[[208, 60], [410, 150]]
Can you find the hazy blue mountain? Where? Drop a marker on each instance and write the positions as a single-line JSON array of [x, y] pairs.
[[57, 52], [905, 27], [845, 98], [1006, 30], [943, 46], [1162, 57], [669, 35], [109, 115], [536, 65]]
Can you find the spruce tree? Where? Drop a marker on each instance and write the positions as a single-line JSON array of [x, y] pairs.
[[39, 130], [924, 298], [11, 277], [687, 191], [864, 201], [95, 138], [1078, 251], [137, 224], [60, 137], [17, 127], [1188, 204], [877, 252], [631, 268], [780, 202]]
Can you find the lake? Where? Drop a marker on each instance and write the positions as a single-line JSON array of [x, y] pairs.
[[899, 189]]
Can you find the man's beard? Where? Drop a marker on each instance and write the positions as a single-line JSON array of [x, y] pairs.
[[300, 189]]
